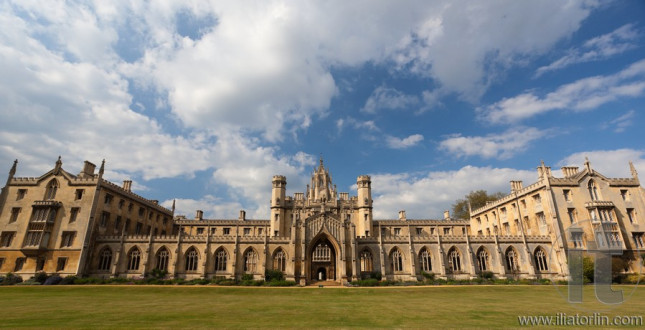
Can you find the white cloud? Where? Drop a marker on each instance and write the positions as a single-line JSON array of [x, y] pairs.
[[611, 163], [502, 146], [398, 143], [621, 123], [598, 48], [427, 195], [388, 99], [213, 207], [581, 95]]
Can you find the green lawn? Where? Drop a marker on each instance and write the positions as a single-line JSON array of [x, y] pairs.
[[234, 307]]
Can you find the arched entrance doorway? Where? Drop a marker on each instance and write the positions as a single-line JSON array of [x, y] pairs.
[[323, 261]]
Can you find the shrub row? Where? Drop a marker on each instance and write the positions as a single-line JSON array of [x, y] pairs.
[[430, 279], [158, 277]]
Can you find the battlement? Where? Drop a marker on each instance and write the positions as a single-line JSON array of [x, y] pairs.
[[362, 178]]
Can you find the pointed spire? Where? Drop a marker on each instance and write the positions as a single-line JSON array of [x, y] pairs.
[[633, 170], [173, 206], [102, 169], [12, 171], [321, 160]]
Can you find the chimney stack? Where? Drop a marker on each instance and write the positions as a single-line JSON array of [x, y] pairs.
[[568, 171], [446, 215], [199, 215], [127, 185], [402, 215], [242, 215], [516, 186], [88, 168]]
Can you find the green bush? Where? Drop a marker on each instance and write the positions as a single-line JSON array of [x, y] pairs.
[[281, 283], [273, 275], [31, 281], [252, 283], [40, 277], [157, 274], [247, 277], [366, 282], [10, 279], [428, 276], [67, 280], [588, 269], [487, 275], [376, 275]]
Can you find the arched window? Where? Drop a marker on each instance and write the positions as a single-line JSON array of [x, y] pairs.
[[322, 252], [250, 261], [52, 187], [540, 260], [366, 261], [425, 261], [105, 259], [482, 259], [191, 259], [220, 260], [134, 257], [397, 260], [162, 259], [512, 260], [279, 261], [593, 190], [454, 260]]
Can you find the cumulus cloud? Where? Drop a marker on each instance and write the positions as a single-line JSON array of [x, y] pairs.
[[598, 48], [502, 146], [385, 98], [581, 95], [427, 195], [403, 143]]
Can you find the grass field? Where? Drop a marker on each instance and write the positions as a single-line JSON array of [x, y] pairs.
[[234, 307]]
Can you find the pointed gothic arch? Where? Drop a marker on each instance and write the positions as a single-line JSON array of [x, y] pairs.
[[541, 261], [250, 261], [454, 260], [483, 260], [279, 260], [191, 259], [512, 260], [221, 259], [162, 258], [134, 258], [105, 259], [396, 259], [425, 260], [367, 261]]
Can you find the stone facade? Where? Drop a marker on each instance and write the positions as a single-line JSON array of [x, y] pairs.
[[319, 234], [51, 223]]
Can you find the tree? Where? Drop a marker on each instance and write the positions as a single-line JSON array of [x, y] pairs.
[[477, 199]]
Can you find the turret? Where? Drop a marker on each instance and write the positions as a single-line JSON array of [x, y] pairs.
[[364, 221], [278, 213]]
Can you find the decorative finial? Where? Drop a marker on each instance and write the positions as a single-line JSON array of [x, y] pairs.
[[173, 206], [587, 164], [59, 164], [102, 169], [321, 160]]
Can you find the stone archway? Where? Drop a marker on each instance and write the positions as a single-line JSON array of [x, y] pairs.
[[323, 261]]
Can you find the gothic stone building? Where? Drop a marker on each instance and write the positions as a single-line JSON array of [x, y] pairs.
[[320, 234]]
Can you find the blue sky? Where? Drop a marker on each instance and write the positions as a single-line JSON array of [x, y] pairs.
[[204, 101]]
